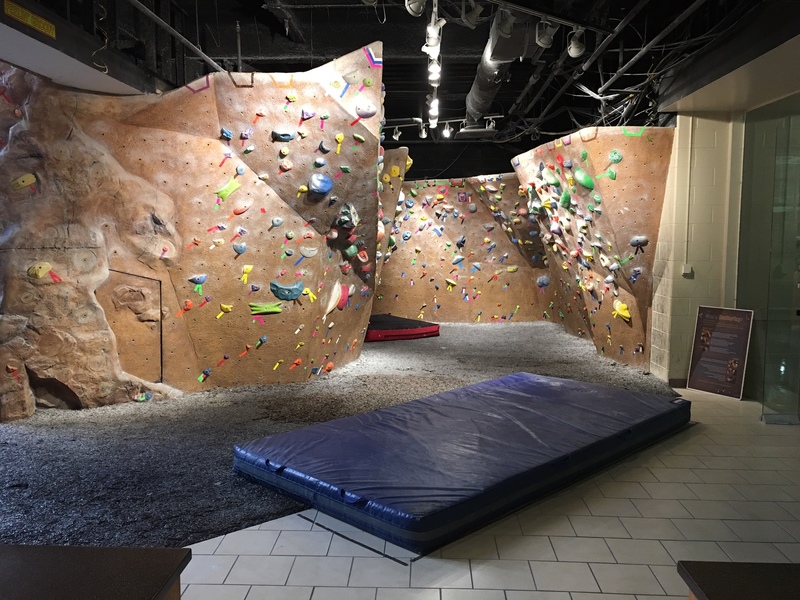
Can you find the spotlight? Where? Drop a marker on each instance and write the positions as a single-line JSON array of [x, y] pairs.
[[505, 24], [544, 38], [423, 132], [576, 46], [471, 18], [433, 104], [434, 67], [396, 134], [415, 7], [490, 124], [447, 131], [433, 122], [433, 38]]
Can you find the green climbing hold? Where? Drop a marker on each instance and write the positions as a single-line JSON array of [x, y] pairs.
[[359, 138], [228, 188], [612, 174], [583, 178], [584, 155], [598, 199], [413, 192], [265, 308], [550, 177], [590, 207], [345, 168], [566, 199], [615, 157]]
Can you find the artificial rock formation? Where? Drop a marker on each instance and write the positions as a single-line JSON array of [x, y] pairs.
[[184, 241], [462, 250], [597, 197]]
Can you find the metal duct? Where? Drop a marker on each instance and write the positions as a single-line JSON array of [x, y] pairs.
[[497, 57]]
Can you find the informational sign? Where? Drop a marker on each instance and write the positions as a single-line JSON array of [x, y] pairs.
[[23, 15], [719, 350]]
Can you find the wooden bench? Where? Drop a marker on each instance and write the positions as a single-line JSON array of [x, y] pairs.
[[84, 573], [740, 581]]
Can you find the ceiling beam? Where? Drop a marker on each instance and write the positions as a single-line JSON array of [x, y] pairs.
[[286, 16]]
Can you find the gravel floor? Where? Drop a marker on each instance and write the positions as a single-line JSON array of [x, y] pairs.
[[159, 473]]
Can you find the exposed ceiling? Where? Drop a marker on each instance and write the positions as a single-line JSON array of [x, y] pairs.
[[537, 93]]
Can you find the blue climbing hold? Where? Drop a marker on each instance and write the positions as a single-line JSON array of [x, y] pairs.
[[320, 184], [287, 292]]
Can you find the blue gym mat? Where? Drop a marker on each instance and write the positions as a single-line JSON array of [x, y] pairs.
[[426, 472]]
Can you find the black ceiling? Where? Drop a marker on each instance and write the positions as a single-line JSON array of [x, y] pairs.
[[539, 97]]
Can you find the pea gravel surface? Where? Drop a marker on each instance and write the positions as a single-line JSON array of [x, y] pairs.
[[159, 473]]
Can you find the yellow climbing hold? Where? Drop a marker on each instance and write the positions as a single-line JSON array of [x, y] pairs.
[[621, 311], [23, 181], [39, 269]]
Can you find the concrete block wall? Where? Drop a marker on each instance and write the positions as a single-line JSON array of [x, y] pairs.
[[699, 231]]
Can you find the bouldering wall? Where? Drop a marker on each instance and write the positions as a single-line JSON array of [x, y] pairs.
[[219, 235], [597, 195], [392, 171], [463, 250]]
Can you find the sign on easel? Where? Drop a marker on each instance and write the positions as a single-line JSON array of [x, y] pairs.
[[719, 350]]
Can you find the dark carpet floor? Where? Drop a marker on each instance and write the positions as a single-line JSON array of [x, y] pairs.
[[159, 473]]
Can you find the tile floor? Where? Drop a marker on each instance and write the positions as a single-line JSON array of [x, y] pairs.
[[726, 489]]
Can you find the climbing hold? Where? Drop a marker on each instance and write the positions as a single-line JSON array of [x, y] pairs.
[[359, 138], [240, 248], [284, 151], [366, 110], [344, 296], [406, 236], [223, 309], [285, 165], [286, 292], [639, 242], [277, 221], [265, 308], [39, 269], [230, 187], [543, 281], [472, 207], [283, 136], [242, 207], [320, 162], [23, 181], [307, 113], [226, 134], [615, 157], [566, 199], [550, 177], [621, 311], [458, 259], [320, 184], [583, 178], [512, 268], [324, 148]]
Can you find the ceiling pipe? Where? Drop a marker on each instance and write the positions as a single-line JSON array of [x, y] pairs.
[[624, 68], [587, 64], [174, 33]]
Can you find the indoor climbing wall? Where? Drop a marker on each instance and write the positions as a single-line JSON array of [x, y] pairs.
[[597, 196], [392, 172], [219, 235], [462, 250]]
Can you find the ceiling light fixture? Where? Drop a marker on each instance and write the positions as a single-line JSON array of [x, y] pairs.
[[447, 131], [470, 19], [505, 23], [415, 7], [576, 46], [434, 73], [433, 122], [544, 39], [396, 134], [370, 2], [423, 132], [433, 37]]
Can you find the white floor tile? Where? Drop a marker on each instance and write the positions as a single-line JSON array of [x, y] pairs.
[[715, 491], [580, 549], [474, 546], [207, 569], [711, 509], [524, 547], [669, 579], [408, 594], [639, 552], [206, 547], [568, 577], [583, 596], [677, 475], [651, 529], [665, 509], [669, 491], [791, 551], [791, 527], [215, 592], [320, 571], [695, 551], [598, 527], [622, 489], [331, 523], [611, 507], [762, 493], [625, 473], [546, 525], [791, 507], [719, 476], [626, 579], [334, 593], [259, 570], [721, 462], [397, 551], [514, 595], [248, 542], [302, 543], [683, 462], [473, 595], [441, 573], [379, 572], [763, 477], [563, 506], [753, 552], [761, 511], [289, 523], [711, 530], [502, 574], [273, 592], [759, 531], [507, 526], [343, 546]]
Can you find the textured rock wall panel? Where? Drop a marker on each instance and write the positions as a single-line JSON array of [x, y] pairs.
[[597, 196], [462, 250], [178, 242]]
